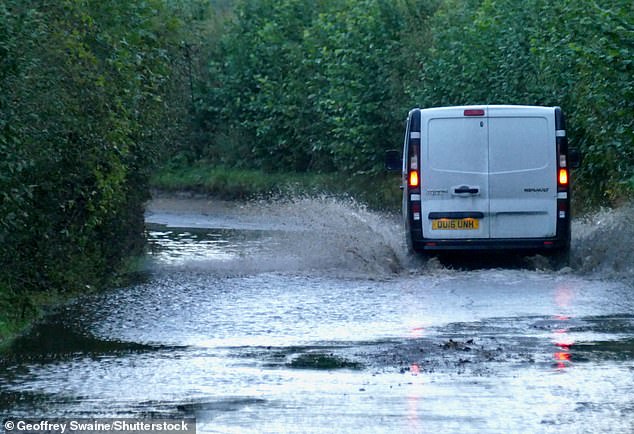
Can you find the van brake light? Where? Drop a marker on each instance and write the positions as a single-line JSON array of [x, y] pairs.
[[413, 178], [563, 177], [474, 112]]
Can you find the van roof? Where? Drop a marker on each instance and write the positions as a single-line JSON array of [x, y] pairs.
[[496, 107]]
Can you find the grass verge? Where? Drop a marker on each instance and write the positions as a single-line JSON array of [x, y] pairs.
[[378, 192], [20, 310]]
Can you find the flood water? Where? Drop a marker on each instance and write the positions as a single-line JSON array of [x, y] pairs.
[[308, 315]]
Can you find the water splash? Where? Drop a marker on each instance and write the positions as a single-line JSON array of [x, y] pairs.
[[603, 243], [297, 234], [343, 237], [341, 234]]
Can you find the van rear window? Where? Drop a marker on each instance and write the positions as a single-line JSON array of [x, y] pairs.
[[520, 144], [457, 144]]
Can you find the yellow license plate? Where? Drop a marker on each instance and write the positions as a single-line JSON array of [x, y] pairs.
[[455, 224]]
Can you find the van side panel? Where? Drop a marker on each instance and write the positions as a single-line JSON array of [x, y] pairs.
[[522, 174]]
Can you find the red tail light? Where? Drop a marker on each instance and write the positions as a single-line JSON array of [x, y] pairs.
[[416, 211]]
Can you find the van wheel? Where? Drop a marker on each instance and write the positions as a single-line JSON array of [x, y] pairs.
[[559, 258]]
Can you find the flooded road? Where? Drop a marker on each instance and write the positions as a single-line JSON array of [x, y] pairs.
[[307, 315]]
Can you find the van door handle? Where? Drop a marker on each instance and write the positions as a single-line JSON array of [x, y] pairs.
[[466, 190]]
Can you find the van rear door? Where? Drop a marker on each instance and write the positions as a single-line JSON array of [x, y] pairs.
[[522, 172], [454, 173]]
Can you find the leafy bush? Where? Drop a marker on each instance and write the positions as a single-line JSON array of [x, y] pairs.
[[83, 90], [324, 86], [309, 85], [577, 55]]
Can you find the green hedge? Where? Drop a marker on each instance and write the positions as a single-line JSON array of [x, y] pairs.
[[84, 90], [324, 86], [247, 184]]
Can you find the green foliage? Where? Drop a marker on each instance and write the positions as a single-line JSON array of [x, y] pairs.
[[83, 108], [258, 86], [231, 183], [239, 184], [324, 86], [355, 43], [310, 85], [577, 55]]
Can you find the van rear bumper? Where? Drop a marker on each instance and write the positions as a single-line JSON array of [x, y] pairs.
[[524, 244]]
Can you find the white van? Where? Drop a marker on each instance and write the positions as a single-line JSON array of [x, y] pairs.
[[486, 177]]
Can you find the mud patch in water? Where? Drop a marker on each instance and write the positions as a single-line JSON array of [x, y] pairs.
[[55, 340], [618, 350], [219, 406], [322, 361], [617, 324]]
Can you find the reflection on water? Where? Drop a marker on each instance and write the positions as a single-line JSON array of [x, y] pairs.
[[564, 299], [177, 247], [416, 332], [564, 343]]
